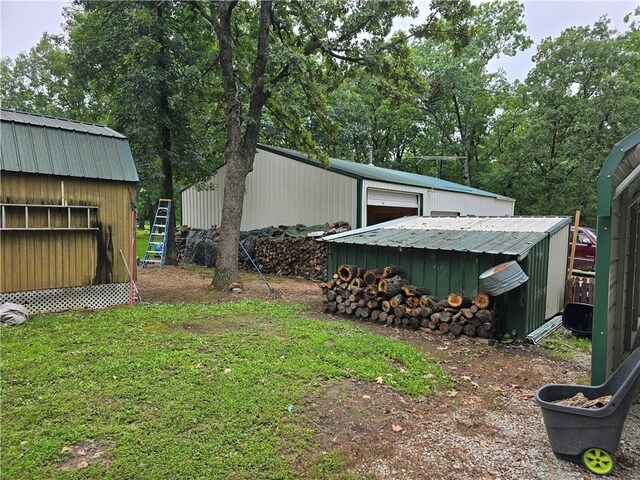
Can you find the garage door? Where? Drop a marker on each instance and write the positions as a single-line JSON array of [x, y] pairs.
[[390, 198], [385, 205]]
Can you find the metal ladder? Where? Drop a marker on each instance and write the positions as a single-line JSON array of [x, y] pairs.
[[157, 246]]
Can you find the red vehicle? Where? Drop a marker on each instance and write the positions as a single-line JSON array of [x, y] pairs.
[[585, 257]]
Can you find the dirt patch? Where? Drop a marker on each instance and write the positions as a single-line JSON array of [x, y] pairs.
[[80, 455], [486, 425], [215, 325], [193, 284]]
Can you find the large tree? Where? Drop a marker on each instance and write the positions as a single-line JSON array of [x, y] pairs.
[[580, 99], [270, 50], [462, 98], [149, 62]]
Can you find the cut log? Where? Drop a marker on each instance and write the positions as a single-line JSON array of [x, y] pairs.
[[475, 321], [373, 304], [357, 312], [400, 310], [484, 330], [412, 302], [424, 322], [397, 320], [443, 327], [391, 271], [356, 283], [414, 312], [428, 301], [346, 273], [484, 315], [466, 312], [348, 310], [413, 291], [469, 330], [456, 300], [405, 321], [386, 306], [425, 312], [456, 328], [331, 295], [332, 307], [365, 312], [371, 277], [397, 300], [414, 323], [342, 307], [382, 318], [482, 300], [473, 308], [375, 314], [391, 286], [390, 319], [441, 317]]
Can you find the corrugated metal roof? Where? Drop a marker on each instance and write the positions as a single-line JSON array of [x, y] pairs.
[[53, 122], [494, 235], [371, 172], [52, 146]]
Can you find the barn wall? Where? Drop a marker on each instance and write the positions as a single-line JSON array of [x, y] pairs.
[[279, 191], [34, 260], [466, 204]]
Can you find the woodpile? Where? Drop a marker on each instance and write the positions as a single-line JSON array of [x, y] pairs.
[[181, 241], [384, 296], [290, 256]]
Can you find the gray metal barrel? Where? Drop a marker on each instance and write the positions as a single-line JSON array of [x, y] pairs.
[[502, 278]]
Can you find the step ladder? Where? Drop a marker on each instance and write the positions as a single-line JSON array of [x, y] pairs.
[[157, 246]]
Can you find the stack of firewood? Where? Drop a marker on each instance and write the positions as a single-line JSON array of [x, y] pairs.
[[181, 241], [296, 257], [384, 296]]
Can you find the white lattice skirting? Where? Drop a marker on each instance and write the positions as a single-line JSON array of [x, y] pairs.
[[60, 299]]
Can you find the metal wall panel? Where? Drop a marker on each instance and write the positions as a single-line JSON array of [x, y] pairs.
[[465, 204], [279, 191], [35, 260], [556, 276]]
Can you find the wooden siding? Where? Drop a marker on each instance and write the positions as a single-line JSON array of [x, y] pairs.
[[41, 259]]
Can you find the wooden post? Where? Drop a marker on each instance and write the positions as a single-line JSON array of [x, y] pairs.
[[573, 244]]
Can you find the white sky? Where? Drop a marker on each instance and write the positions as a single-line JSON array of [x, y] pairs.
[[23, 23]]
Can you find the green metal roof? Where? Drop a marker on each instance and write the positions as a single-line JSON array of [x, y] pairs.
[[494, 235], [54, 146], [371, 172]]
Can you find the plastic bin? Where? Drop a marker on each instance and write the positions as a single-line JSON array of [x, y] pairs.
[[590, 436], [578, 318]]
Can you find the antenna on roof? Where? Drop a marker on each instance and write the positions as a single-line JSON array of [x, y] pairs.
[[371, 155]]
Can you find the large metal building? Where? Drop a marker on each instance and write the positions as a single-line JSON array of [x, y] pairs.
[[448, 255], [287, 187], [68, 190], [616, 309]]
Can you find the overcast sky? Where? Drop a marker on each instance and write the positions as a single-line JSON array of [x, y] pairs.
[[23, 23]]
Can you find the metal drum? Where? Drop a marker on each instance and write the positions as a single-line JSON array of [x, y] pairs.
[[502, 278]]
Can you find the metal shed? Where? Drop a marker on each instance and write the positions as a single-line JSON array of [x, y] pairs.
[[68, 190], [448, 254], [617, 292], [287, 187]]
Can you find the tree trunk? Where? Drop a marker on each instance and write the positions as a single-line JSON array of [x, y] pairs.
[[240, 151], [165, 135]]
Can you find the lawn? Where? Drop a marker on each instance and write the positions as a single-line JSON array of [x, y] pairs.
[[186, 391], [142, 240]]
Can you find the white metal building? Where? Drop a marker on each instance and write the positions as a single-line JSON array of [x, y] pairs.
[[286, 188]]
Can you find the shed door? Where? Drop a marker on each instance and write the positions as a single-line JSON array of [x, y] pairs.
[[385, 205]]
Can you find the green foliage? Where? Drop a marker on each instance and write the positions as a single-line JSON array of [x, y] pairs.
[[576, 103], [187, 391]]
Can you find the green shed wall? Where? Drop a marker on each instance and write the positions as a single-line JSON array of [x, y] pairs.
[[443, 272]]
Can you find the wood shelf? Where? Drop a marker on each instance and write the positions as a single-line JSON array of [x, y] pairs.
[[79, 212]]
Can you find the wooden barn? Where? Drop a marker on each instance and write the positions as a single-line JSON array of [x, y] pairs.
[[287, 188], [67, 196]]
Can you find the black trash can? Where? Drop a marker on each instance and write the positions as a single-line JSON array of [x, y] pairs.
[[578, 318]]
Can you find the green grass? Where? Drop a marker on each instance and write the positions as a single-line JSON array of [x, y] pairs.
[[563, 347], [186, 391], [142, 239]]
